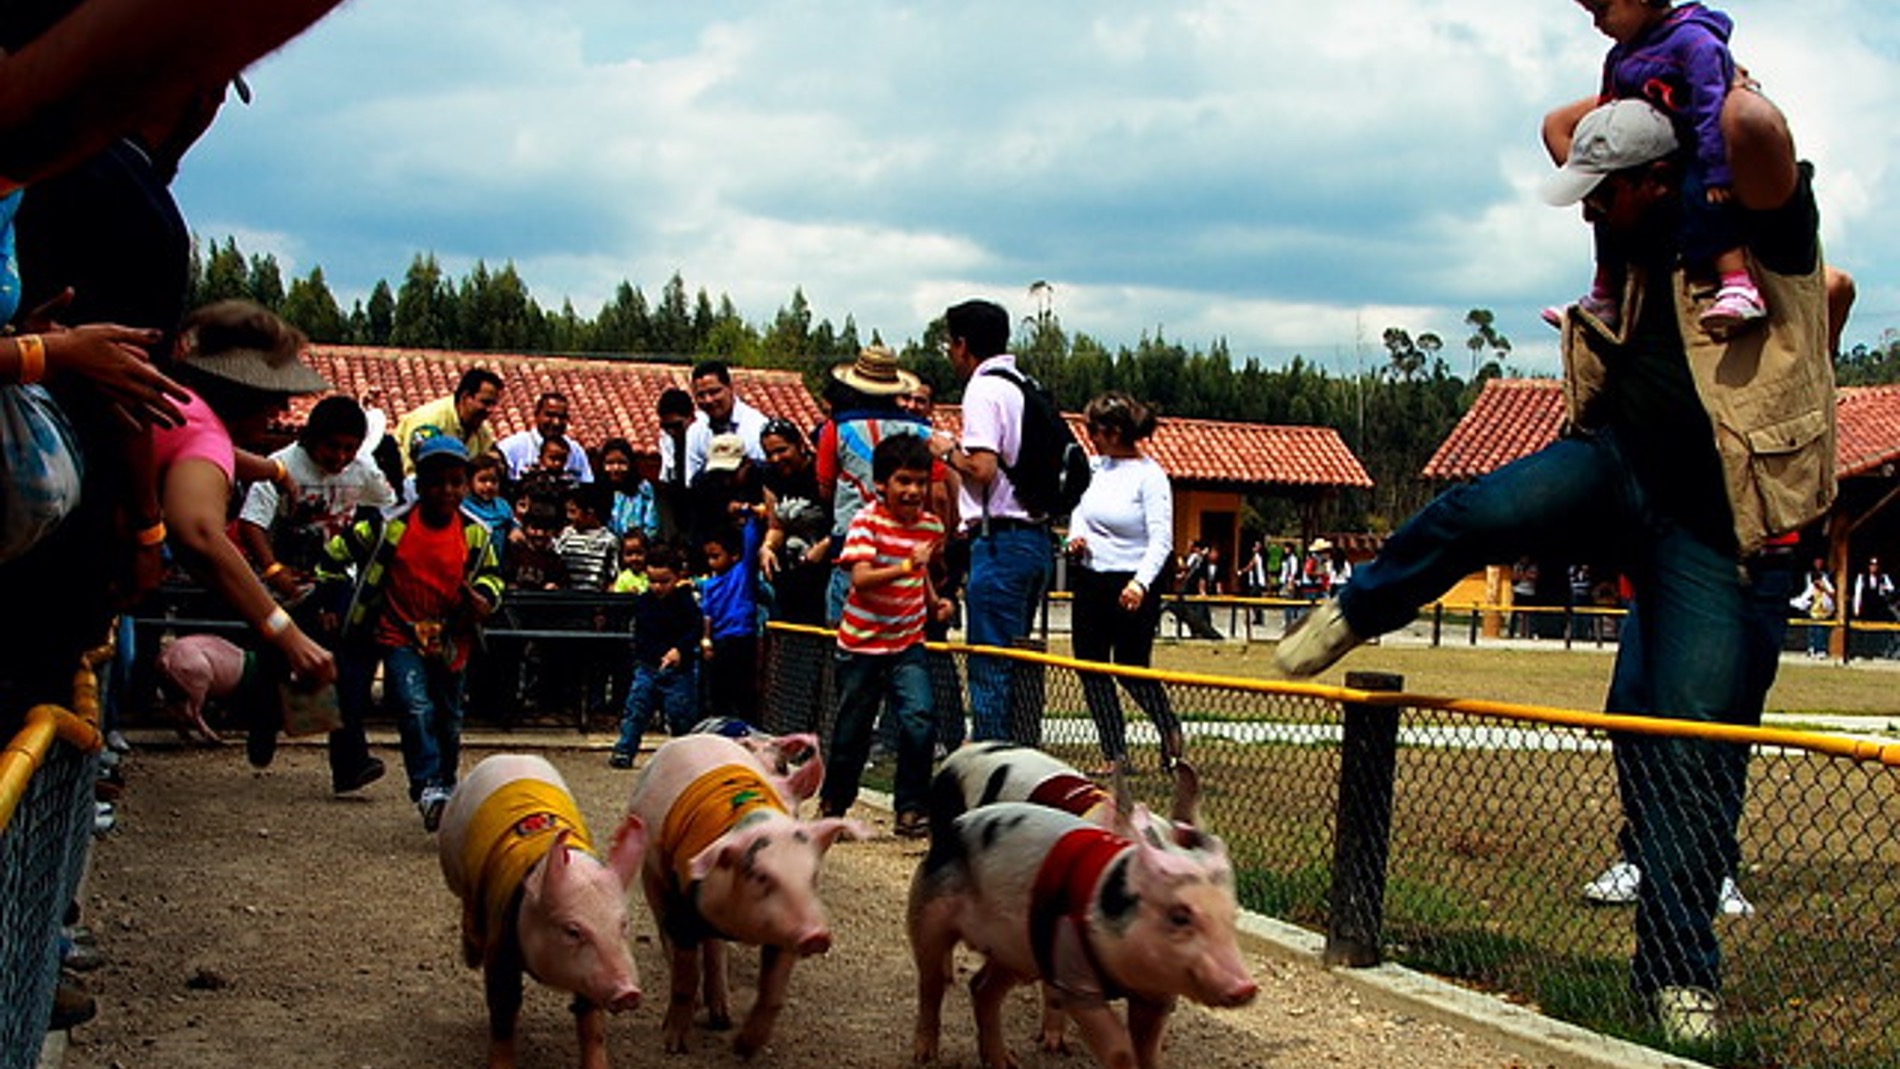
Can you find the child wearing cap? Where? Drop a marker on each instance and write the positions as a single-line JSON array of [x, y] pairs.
[[1675, 58], [424, 579]]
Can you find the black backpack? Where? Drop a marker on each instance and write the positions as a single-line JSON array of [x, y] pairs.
[[1051, 469]]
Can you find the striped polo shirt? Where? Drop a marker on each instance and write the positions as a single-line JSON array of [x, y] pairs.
[[887, 617]]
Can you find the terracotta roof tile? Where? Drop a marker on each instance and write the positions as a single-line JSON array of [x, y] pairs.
[[1513, 418], [616, 397]]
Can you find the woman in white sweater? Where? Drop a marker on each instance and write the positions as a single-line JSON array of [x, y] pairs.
[[1122, 537]]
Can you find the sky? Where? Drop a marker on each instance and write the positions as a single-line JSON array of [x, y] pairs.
[[1293, 178]]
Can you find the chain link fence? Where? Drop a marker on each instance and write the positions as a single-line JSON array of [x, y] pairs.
[[1458, 837], [46, 819]]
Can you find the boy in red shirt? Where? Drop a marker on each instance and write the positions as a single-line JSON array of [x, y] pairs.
[[887, 550], [424, 579]]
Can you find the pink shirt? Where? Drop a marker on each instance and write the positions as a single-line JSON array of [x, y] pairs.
[[201, 437]]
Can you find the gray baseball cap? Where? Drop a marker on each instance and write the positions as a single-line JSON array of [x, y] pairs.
[[1614, 137]]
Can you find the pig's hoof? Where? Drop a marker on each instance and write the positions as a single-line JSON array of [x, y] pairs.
[[746, 1044], [1055, 1043], [924, 1050], [718, 1022]]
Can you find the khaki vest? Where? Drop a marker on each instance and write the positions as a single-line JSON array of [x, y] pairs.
[[1769, 393]]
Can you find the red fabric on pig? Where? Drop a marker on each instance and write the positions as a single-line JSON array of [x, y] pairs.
[[1059, 911], [709, 807], [1071, 793], [507, 836]]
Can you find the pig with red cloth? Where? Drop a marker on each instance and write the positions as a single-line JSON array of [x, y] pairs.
[[534, 897], [731, 862], [1096, 914]]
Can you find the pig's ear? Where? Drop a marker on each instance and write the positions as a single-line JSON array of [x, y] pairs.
[[831, 829], [630, 845], [555, 869], [808, 777], [724, 851]]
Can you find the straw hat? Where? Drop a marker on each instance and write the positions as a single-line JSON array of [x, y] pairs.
[[243, 343], [875, 372], [1320, 545]]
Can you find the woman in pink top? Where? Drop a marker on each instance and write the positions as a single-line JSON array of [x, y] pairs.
[[241, 364]]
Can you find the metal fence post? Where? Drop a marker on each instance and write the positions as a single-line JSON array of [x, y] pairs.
[[1438, 622], [1363, 830]]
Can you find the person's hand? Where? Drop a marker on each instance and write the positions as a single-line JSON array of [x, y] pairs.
[[287, 582], [943, 609], [1131, 596], [309, 661], [479, 606], [941, 442], [1719, 195], [815, 553], [921, 553], [517, 536], [768, 562], [1077, 548], [113, 359], [670, 660]]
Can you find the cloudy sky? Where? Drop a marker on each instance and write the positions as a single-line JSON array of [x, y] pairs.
[[1293, 177]]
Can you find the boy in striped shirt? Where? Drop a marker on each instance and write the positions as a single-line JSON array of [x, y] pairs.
[[887, 550]]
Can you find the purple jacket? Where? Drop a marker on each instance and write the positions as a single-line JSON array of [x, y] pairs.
[[1682, 66]]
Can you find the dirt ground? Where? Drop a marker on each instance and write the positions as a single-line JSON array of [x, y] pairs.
[[252, 919]]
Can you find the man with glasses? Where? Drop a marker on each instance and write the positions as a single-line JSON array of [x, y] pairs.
[[720, 412]]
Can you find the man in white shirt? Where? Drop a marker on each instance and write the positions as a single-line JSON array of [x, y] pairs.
[[720, 412], [522, 449], [1012, 552]]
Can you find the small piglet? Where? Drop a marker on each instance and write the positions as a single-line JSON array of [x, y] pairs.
[[1096, 914], [984, 773], [515, 851], [193, 669], [730, 863]]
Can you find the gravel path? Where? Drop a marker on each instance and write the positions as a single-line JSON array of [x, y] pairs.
[[253, 920]]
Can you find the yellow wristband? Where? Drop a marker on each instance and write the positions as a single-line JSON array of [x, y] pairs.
[[276, 567], [153, 535], [275, 624], [32, 349], [279, 472], [910, 565]]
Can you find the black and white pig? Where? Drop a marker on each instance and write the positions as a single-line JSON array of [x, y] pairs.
[[515, 850], [1096, 914], [730, 862]]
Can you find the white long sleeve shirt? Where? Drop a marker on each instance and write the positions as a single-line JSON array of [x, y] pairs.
[[1126, 518]]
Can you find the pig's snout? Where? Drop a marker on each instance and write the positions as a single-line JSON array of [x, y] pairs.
[[1238, 994], [627, 998], [814, 942]]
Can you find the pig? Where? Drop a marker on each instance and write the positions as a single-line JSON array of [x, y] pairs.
[[984, 773], [730, 863], [1096, 914], [516, 852], [793, 760], [193, 669]]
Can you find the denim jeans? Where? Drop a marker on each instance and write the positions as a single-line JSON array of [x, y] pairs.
[[674, 691], [865, 681], [355, 676], [1009, 573], [1579, 500], [428, 699]]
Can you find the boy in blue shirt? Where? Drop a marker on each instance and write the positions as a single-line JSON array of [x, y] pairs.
[[730, 597]]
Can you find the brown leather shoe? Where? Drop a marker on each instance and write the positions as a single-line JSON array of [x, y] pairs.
[[71, 1006]]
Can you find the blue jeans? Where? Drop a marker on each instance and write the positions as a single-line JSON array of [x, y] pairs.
[[1009, 573], [428, 698], [1578, 499], [674, 691], [865, 680]]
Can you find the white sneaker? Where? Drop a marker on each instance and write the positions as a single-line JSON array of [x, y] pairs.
[[1615, 886], [430, 805], [1316, 642], [1687, 1014], [1733, 903]]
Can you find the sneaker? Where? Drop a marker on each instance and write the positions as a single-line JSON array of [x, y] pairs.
[[1687, 1014], [620, 760], [1735, 307], [77, 956], [433, 801], [1316, 642], [367, 773], [1603, 309], [1615, 886], [1734, 904], [912, 825], [105, 817], [260, 746]]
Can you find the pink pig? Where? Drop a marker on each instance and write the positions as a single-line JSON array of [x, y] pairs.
[[1093, 913], [730, 862], [514, 849], [192, 669]]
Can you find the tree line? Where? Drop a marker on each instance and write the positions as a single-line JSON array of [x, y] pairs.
[[1393, 417]]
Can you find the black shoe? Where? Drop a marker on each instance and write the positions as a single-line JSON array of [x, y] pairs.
[[620, 760], [71, 1006], [366, 773]]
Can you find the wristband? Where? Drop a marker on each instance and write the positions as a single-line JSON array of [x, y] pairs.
[[275, 568], [151, 536], [275, 624], [32, 350], [279, 472], [910, 565], [705, 643]]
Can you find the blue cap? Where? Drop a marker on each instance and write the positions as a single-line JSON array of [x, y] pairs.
[[440, 447]]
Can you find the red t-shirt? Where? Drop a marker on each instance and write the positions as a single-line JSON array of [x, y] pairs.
[[889, 616], [425, 582]]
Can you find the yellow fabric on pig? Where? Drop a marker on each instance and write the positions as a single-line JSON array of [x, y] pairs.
[[507, 835], [707, 809]]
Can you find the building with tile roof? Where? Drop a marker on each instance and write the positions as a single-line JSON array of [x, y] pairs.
[[1213, 464]]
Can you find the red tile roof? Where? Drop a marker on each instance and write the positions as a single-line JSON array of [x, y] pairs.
[[1516, 417], [616, 397]]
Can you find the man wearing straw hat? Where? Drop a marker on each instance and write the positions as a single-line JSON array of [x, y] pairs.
[[864, 398]]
